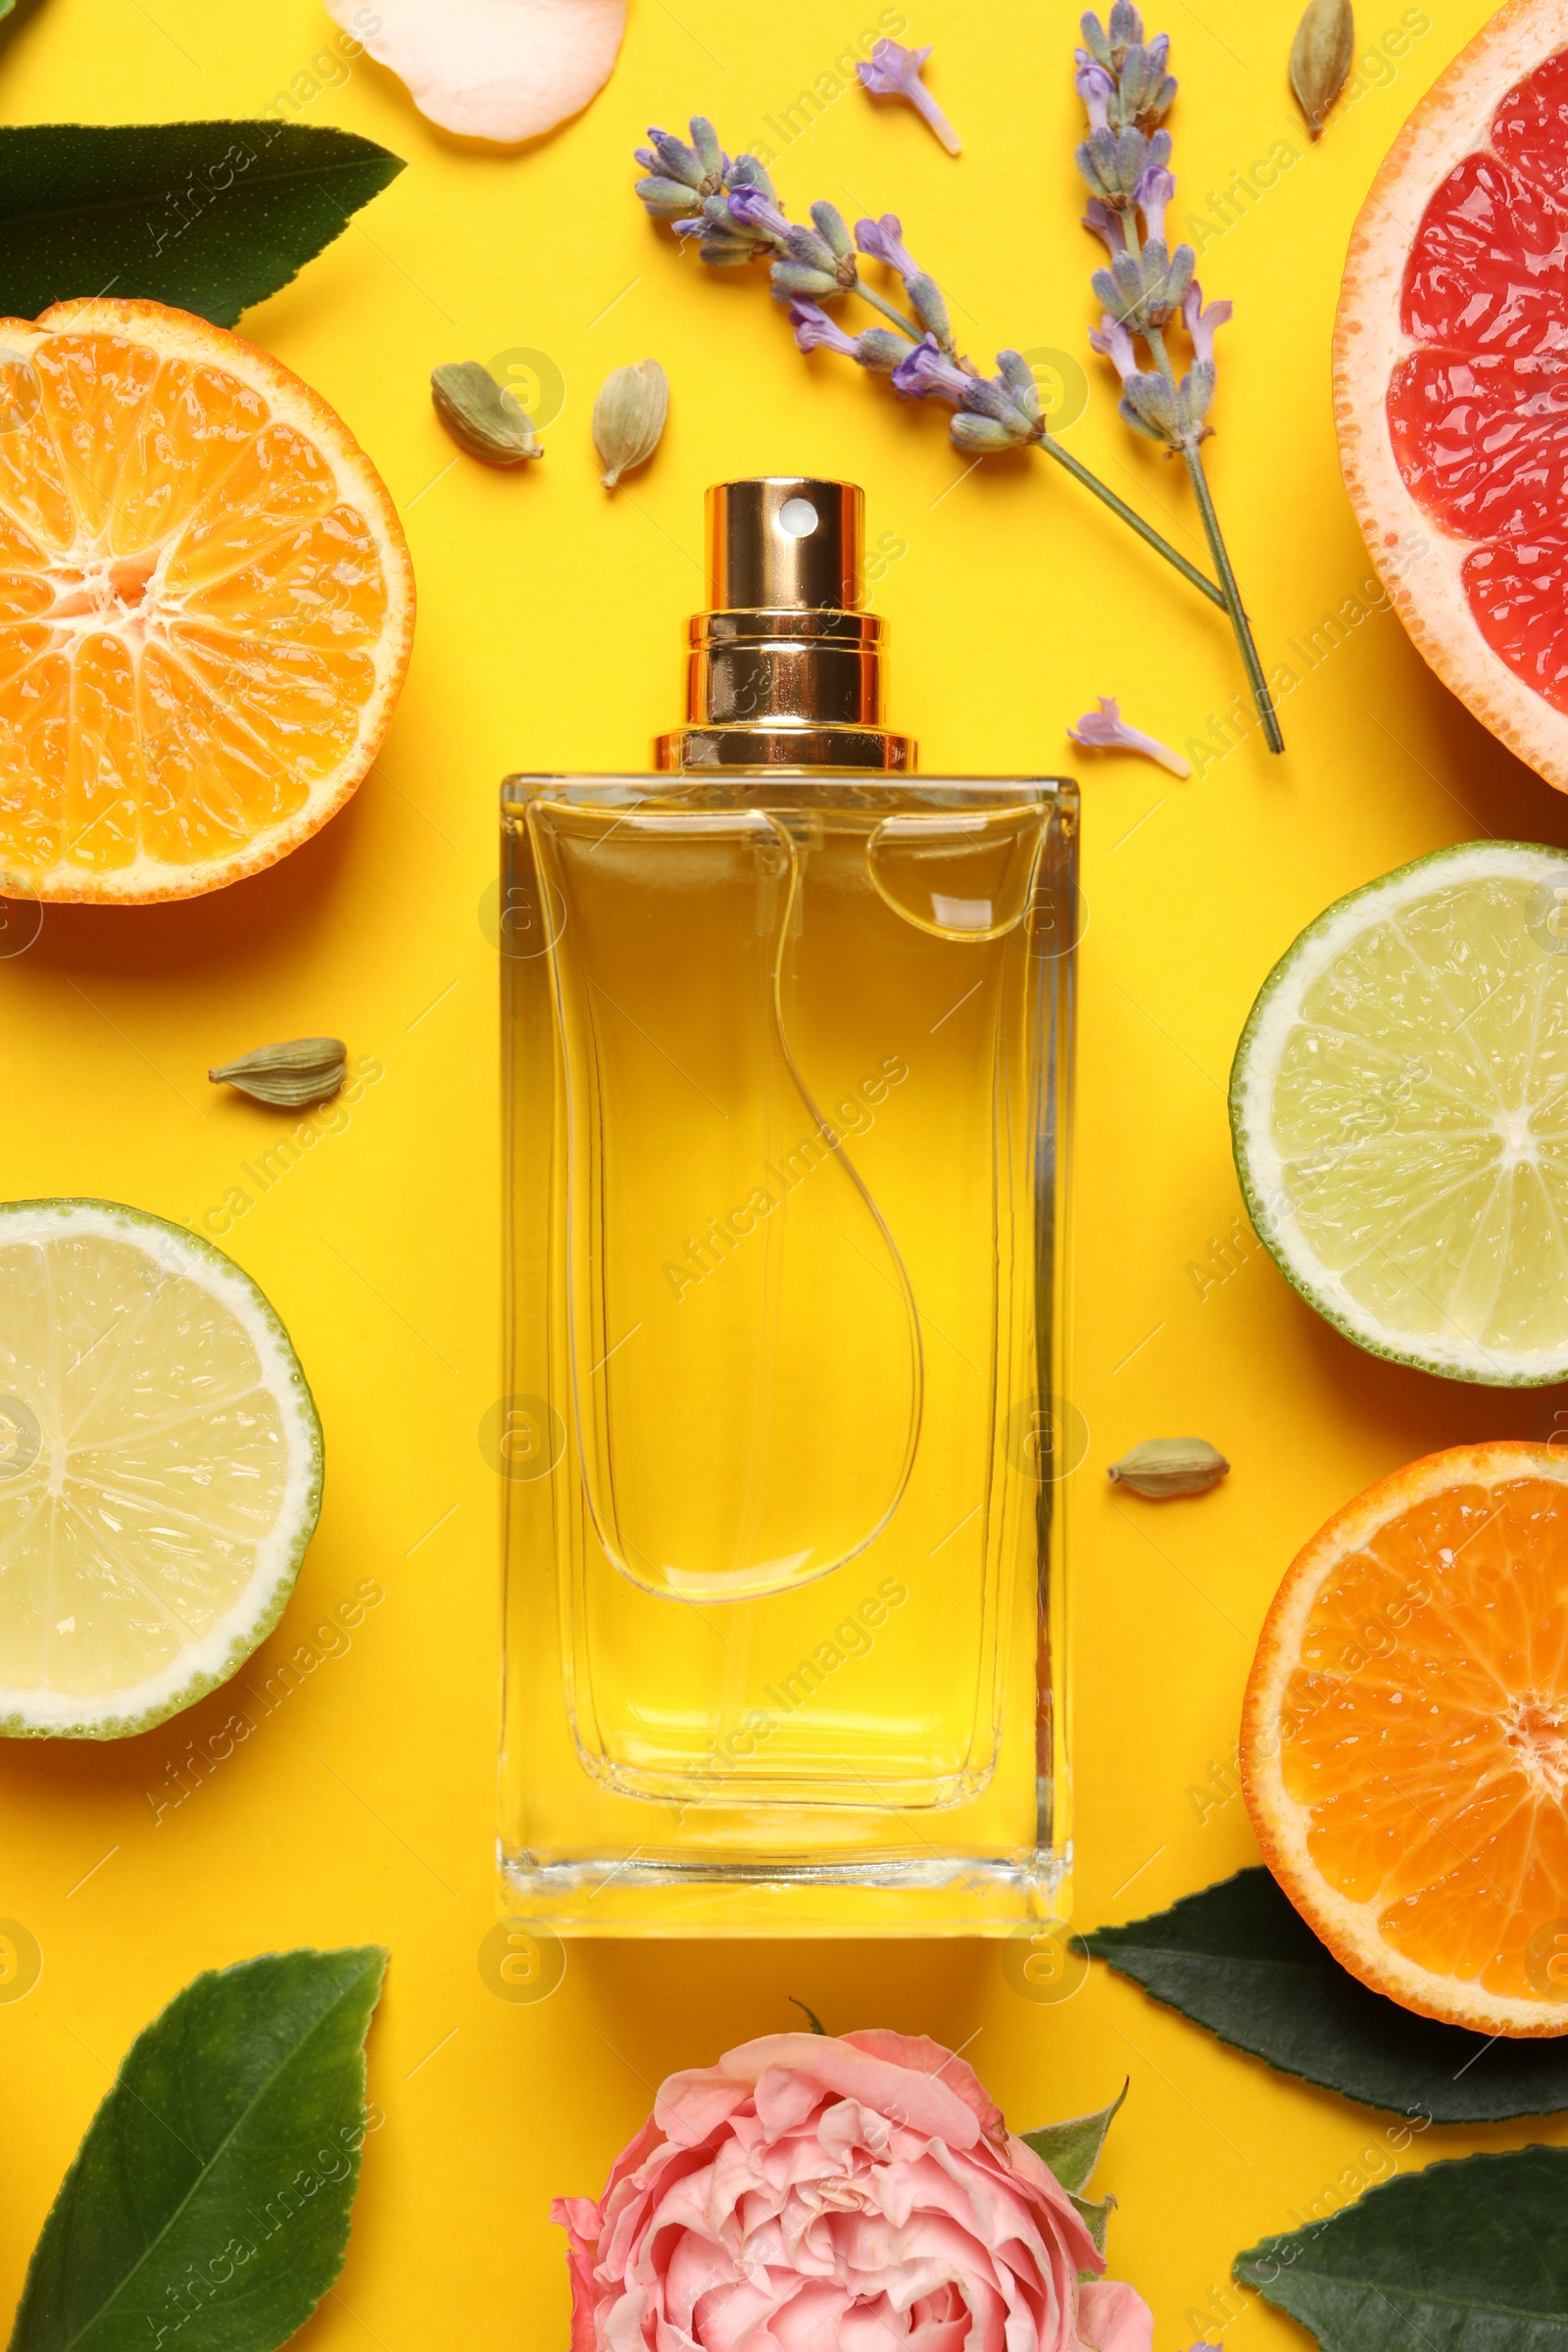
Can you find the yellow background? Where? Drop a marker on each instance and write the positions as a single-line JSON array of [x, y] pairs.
[[549, 636]]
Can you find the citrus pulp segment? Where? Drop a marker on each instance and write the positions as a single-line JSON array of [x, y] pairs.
[[160, 1468], [1451, 378], [1404, 1738], [1399, 1114], [206, 605]]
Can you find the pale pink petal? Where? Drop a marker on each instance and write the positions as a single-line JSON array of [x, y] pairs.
[[1113, 2317], [500, 70], [922, 2101], [926, 2057]]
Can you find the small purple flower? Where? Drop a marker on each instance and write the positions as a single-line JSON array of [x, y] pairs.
[[1106, 730], [929, 375], [1113, 341], [1106, 223], [1096, 88], [814, 331], [895, 73], [883, 240], [754, 209], [1201, 323], [1154, 192]]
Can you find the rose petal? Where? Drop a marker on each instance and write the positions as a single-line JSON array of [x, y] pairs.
[[500, 70], [1113, 2317]]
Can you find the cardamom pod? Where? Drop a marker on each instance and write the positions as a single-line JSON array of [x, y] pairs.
[[1161, 1467], [481, 415], [305, 1070], [629, 417], [1320, 58]]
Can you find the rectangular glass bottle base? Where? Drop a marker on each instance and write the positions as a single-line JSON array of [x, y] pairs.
[[636, 1896], [784, 1440]]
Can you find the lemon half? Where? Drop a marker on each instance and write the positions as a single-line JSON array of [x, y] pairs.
[[160, 1468], [1399, 1114]]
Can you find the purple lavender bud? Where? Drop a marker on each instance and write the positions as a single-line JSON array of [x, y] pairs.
[[1126, 27], [1106, 225], [831, 229], [1152, 406], [927, 373], [755, 210], [788, 279], [1023, 386], [880, 350], [1005, 403], [1106, 730], [883, 240], [678, 161], [1178, 276], [1201, 323], [1153, 194], [1130, 280], [1095, 42], [813, 252], [746, 172], [1096, 88], [1097, 160], [1196, 394], [1159, 149], [667, 199], [928, 306], [1112, 342], [705, 138], [814, 331], [981, 436]]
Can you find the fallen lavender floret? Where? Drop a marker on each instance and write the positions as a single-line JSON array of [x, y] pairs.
[[895, 73], [1106, 730]]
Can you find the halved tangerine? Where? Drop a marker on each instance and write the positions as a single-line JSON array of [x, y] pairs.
[[1451, 378], [206, 605], [1404, 1738]]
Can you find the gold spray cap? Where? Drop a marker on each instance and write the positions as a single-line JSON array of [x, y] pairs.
[[785, 670]]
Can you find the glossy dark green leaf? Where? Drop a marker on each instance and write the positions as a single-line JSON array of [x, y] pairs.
[[1072, 2149], [210, 217], [1241, 1960], [219, 2173], [1464, 2257]]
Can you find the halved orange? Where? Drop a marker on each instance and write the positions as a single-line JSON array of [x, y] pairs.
[[1451, 378], [206, 605], [1405, 1739]]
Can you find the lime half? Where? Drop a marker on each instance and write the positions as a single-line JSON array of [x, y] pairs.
[[1399, 1111], [160, 1468]]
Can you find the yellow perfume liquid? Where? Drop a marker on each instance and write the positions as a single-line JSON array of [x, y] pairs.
[[788, 1035]]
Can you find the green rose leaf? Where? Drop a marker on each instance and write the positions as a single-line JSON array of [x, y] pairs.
[[210, 217], [1072, 2149], [1241, 1960], [1470, 2256], [218, 2177], [1096, 2220]]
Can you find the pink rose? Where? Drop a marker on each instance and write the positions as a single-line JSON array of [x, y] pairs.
[[808, 2194]]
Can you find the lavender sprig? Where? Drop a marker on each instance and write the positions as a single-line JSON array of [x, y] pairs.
[[730, 211], [1145, 287]]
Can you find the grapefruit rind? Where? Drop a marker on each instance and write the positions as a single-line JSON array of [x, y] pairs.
[[182, 335], [1258, 1164], [1420, 564], [223, 1649], [1280, 1822]]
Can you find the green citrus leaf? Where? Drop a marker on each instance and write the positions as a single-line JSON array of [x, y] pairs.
[[210, 217], [1470, 2256], [218, 2177], [1072, 2149], [1241, 1960]]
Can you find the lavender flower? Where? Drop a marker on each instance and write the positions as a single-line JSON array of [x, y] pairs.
[[1000, 412], [883, 240], [928, 373], [895, 73], [756, 208], [1126, 160], [875, 349], [1106, 730]]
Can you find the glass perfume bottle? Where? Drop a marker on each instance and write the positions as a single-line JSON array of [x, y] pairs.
[[787, 1044]]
